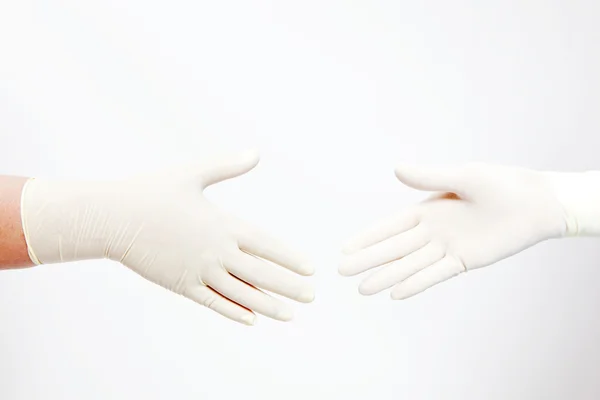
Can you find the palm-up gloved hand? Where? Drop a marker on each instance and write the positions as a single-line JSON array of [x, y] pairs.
[[480, 214], [162, 227]]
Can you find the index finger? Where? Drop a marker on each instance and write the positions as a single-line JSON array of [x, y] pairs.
[[263, 245], [382, 230]]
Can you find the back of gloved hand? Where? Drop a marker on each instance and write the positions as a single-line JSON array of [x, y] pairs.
[[480, 214], [162, 227]]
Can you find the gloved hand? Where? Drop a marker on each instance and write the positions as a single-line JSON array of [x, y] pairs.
[[162, 227], [480, 214]]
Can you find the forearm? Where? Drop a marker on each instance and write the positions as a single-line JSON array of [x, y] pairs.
[[13, 247]]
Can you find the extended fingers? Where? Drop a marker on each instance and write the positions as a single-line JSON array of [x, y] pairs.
[[397, 271], [384, 252], [439, 272], [261, 244], [433, 178], [268, 276], [227, 308], [240, 292], [382, 230]]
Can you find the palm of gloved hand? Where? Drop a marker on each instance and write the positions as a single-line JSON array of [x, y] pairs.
[[173, 236], [480, 215]]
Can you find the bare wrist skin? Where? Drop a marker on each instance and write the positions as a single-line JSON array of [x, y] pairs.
[[13, 247]]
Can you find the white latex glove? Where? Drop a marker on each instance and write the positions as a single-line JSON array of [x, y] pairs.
[[162, 227], [480, 214]]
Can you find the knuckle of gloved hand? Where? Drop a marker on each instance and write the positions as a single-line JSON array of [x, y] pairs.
[[208, 261]]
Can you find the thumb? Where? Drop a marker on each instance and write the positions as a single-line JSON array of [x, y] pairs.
[[229, 166], [442, 179]]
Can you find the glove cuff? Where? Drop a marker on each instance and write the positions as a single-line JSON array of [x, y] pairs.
[[579, 195], [66, 221], [25, 224]]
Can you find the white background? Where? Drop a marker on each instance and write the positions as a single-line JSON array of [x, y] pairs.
[[333, 94]]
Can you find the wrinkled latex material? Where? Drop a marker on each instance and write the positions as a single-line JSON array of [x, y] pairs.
[[162, 227]]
